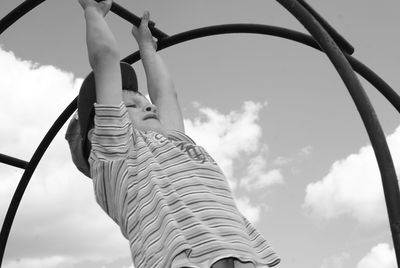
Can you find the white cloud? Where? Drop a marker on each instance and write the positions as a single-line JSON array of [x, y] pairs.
[[251, 212], [227, 137], [32, 97], [336, 261], [305, 151], [68, 262], [381, 256], [58, 215], [51, 262], [293, 159], [353, 187], [258, 176], [234, 140], [282, 160]]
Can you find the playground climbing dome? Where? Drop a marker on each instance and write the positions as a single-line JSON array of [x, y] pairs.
[[322, 37]]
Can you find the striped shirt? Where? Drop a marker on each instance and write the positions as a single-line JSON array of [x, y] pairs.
[[169, 197]]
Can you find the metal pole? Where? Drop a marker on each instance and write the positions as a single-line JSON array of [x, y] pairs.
[[30, 168], [12, 161], [340, 41], [367, 113]]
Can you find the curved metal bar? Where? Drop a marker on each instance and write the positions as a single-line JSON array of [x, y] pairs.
[[340, 41], [165, 43], [367, 113], [23, 183], [12, 161], [135, 20], [376, 81], [17, 13], [28, 5], [389, 93], [228, 29]]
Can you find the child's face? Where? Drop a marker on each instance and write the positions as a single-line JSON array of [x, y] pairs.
[[143, 114]]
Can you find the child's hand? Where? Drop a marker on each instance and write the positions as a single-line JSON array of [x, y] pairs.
[[143, 35], [102, 7]]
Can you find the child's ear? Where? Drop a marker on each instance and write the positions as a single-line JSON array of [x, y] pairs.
[[90, 134]]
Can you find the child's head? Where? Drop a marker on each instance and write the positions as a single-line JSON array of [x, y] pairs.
[[143, 114], [87, 97]]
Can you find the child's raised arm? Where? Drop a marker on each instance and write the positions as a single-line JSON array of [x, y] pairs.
[[102, 51], [159, 82]]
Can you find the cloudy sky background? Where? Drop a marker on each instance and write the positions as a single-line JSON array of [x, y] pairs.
[[273, 113]]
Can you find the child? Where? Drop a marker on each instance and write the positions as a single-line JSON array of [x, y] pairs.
[[166, 193]]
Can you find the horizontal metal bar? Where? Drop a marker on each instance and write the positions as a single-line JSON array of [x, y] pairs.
[[12, 161], [135, 20]]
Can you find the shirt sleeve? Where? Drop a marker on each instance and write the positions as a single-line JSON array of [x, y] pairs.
[[112, 140], [113, 134], [109, 188]]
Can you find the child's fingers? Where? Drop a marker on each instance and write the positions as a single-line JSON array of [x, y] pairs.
[[107, 2], [106, 5], [135, 31], [145, 18]]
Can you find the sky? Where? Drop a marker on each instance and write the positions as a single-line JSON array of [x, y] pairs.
[[273, 113]]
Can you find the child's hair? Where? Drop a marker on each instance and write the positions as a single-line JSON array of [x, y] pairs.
[[87, 97]]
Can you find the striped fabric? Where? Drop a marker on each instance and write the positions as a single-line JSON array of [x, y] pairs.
[[168, 196]]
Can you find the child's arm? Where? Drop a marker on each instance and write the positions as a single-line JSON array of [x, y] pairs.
[[159, 82], [102, 51]]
